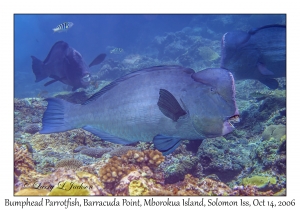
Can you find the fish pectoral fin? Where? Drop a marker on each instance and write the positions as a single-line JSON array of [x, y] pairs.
[[98, 60], [50, 82], [264, 70], [166, 144], [169, 106], [270, 82], [105, 136]]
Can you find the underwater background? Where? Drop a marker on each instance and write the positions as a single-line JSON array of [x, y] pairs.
[[249, 161]]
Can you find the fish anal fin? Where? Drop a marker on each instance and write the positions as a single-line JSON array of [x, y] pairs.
[[166, 144], [169, 106]]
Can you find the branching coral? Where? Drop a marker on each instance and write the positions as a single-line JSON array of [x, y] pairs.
[[118, 167], [151, 158], [114, 170]]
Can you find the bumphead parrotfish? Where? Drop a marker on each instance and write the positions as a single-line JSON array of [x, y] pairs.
[[165, 104], [64, 64], [258, 54]]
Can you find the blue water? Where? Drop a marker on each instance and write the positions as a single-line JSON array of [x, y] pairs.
[[95, 34]]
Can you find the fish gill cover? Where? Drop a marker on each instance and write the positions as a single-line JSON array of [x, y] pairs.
[[147, 92]]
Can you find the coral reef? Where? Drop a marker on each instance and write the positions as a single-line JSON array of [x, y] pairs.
[[260, 182], [32, 128], [175, 167], [271, 152], [118, 167], [122, 150], [189, 186], [95, 152], [53, 147], [250, 191], [274, 131], [223, 157], [28, 114], [207, 53], [69, 164], [189, 48], [79, 148], [23, 162], [151, 158]]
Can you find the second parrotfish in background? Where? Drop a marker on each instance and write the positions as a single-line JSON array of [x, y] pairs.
[[64, 64], [257, 54]]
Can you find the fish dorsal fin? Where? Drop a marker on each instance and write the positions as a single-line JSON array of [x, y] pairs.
[[254, 30], [169, 106], [134, 74], [61, 44], [105, 89]]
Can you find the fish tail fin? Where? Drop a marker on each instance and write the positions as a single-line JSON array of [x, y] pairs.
[[55, 118], [37, 68]]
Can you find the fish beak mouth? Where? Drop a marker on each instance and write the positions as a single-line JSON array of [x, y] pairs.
[[228, 124], [86, 78]]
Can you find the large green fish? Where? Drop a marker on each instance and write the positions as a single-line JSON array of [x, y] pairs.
[[165, 104]]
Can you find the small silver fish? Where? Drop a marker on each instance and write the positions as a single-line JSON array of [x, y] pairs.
[[116, 51], [63, 27]]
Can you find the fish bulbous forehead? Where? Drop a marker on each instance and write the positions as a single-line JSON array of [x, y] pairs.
[[220, 82]]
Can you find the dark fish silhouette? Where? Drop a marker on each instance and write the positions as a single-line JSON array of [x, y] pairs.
[[98, 60], [165, 104], [63, 64], [258, 54]]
